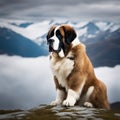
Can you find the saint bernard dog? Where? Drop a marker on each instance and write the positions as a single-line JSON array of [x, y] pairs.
[[74, 77]]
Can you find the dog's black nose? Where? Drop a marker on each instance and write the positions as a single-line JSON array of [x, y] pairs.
[[50, 41]]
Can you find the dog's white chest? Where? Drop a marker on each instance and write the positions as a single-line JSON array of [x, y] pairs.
[[61, 69]]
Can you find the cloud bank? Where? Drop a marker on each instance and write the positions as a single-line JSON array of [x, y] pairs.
[[27, 82], [111, 78]]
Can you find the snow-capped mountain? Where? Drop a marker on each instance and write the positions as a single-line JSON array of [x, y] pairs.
[[36, 30], [101, 38]]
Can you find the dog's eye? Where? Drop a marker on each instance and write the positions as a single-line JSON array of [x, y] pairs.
[[58, 34]]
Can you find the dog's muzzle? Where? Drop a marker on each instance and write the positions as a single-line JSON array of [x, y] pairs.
[[50, 43]]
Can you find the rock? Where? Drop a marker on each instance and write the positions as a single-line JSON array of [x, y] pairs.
[[46, 112]]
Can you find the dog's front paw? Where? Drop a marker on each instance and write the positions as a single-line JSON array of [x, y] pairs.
[[56, 102], [69, 102]]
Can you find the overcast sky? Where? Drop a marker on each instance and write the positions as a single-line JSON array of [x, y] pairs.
[[72, 9]]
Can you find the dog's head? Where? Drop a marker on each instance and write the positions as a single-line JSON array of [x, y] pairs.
[[59, 39]]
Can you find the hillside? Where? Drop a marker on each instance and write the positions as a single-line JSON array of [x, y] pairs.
[[46, 112]]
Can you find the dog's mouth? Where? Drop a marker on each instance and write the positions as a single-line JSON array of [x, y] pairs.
[[51, 48]]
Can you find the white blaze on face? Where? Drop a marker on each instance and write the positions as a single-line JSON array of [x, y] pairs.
[[56, 40]]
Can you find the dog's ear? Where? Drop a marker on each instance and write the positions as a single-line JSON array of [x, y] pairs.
[[70, 34], [51, 32]]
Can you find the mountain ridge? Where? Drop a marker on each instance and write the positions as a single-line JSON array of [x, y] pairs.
[[101, 38]]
